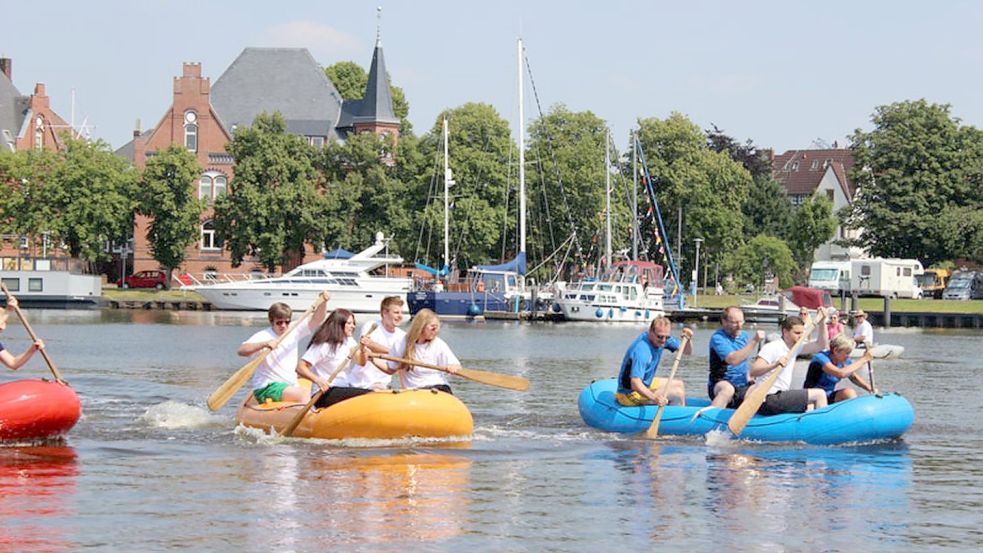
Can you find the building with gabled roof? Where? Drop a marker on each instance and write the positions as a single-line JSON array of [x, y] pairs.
[[807, 173], [203, 117], [28, 121]]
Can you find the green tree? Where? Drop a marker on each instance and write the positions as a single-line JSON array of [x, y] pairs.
[[767, 210], [350, 80], [708, 186], [25, 208], [568, 149], [916, 164], [274, 207], [91, 196], [812, 225], [168, 196], [764, 255], [480, 146]]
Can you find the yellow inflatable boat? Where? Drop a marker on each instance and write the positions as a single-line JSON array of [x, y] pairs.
[[377, 415]]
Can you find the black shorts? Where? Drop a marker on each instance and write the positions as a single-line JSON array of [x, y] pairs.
[[788, 401], [338, 393], [739, 393]]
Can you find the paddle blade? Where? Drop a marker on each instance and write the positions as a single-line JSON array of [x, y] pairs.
[[229, 388], [495, 379], [295, 422], [653, 429]]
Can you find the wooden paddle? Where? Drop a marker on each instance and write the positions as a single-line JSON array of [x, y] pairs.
[[870, 367], [224, 393], [485, 377], [757, 394], [34, 337], [295, 422], [653, 431]]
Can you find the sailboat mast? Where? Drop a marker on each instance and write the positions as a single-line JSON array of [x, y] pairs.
[[447, 218], [522, 160], [607, 199], [634, 197]]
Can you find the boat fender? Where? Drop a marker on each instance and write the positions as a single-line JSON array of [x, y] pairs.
[[646, 313], [611, 313], [556, 308], [623, 309], [474, 310], [599, 313]]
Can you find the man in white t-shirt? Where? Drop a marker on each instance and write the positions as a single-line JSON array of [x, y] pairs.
[[375, 374], [863, 333], [276, 377], [778, 355]]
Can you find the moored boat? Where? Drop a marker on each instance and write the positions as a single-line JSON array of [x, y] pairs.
[[32, 410], [390, 414], [864, 419]]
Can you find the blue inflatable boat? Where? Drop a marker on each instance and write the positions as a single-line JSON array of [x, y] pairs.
[[866, 418]]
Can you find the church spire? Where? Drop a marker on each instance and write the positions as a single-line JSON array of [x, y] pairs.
[[377, 101]]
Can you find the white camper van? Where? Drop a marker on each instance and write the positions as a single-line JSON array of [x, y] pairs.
[[886, 277], [833, 276]]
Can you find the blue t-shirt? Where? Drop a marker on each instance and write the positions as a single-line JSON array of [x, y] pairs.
[[641, 360], [722, 345], [816, 377]]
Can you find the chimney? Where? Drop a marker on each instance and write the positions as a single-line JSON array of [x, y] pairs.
[[6, 67], [136, 131]]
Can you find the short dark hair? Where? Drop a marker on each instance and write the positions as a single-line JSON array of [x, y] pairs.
[[390, 301], [279, 310]]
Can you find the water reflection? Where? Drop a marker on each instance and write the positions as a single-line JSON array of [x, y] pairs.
[[322, 500], [37, 489]]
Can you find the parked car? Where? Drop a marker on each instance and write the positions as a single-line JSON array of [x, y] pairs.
[[145, 279], [964, 285]]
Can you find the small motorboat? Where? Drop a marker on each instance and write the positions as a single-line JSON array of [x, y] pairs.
[[863, 419], [390, 414], [35, 410]]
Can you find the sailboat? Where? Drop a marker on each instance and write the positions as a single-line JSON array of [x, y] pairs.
[[627, 291], [497, 288]]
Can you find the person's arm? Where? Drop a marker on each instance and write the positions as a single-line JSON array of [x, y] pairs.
[[737, 356], [687, 333], [762, 364], [14, 363], [248, 348], [856, 379], [821, 343], [320, 313], [304, 371], [848, 370], [372, 345], [638, 386]]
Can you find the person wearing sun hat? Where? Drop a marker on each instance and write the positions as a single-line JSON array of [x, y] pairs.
[[863, 332]]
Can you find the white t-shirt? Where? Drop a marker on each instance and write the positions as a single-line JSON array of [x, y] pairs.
[[325, 358], [866, 330], [369, 376], [281, 364], [771, 353], [435, 352]]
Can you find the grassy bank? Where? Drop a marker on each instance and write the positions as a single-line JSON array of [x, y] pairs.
[[875, 305], [142, 294]]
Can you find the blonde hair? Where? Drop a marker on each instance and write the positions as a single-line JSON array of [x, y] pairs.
[[660, 322], [841, 343], [421, 320]]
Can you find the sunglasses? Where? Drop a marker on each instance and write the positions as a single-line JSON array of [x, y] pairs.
[[281, 322]]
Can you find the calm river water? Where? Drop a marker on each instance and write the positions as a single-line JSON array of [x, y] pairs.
[[148, 468]]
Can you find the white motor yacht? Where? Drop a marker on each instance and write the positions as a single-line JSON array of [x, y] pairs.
[[349, 281], [630, 291]]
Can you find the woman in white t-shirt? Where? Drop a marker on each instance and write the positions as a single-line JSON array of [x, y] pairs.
[[330, 348], [422, 344]]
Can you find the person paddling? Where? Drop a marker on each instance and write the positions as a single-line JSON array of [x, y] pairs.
[[827, 368], [276, 379], [328, 351], [637, 384], [13, 363], [423, 344], [776, 355], [376, 374]]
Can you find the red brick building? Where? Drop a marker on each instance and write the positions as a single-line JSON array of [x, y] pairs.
[[28, 121], [203, 118]]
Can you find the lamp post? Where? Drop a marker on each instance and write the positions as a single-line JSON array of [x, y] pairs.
[[696, 270]]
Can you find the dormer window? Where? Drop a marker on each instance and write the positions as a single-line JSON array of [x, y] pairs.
[[191, 131]]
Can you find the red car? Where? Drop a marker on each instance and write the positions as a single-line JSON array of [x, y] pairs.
[[145, 279]]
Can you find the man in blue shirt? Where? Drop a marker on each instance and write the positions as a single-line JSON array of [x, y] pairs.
[[637, 384], [730, 349]]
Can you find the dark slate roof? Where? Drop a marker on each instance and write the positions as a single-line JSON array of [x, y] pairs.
[[287, 80], [128, 151], [13, 109], [794, 169], [377, 102]]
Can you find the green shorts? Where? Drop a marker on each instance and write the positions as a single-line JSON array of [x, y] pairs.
[[272, 392]]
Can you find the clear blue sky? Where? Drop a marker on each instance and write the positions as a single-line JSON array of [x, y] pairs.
[[782, 73]]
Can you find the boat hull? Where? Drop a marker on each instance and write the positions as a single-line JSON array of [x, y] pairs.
[[37, 410], [574, 310], [298, 297], [867, 418], [465, 304], [377, 415]]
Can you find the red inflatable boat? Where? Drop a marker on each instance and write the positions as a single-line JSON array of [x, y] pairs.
[[37, 409]]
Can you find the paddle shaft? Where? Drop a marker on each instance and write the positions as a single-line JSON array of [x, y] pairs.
[[485, 377], [224, 393], [295, 422], [757, 394], [653, 430], [34, 337]]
